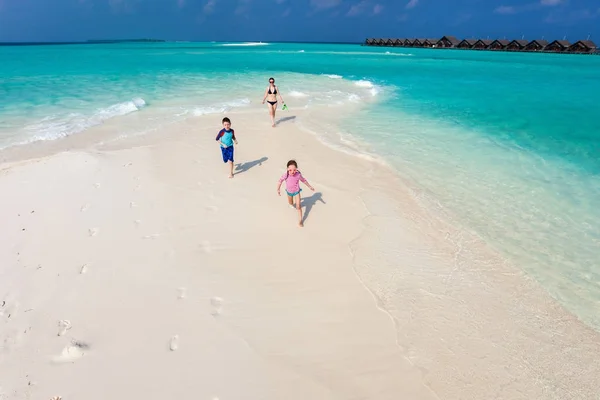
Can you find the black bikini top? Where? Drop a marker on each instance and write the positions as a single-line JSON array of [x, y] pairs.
[[274, 88]]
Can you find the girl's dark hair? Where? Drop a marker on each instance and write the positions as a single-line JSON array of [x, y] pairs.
[[272, 79], [292, 162]]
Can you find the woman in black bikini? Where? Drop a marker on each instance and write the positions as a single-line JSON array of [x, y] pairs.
[[271, 98]]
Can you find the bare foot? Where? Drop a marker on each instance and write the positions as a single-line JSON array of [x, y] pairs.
[[300, 224], [230, 176]]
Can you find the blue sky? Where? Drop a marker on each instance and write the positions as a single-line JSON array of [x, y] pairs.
[[296, 20]]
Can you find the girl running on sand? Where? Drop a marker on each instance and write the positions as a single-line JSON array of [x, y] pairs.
[[292, 178]]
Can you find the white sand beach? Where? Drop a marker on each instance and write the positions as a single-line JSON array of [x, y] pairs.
[[174, 282]]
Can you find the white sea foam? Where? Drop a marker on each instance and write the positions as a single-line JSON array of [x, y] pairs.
[[218, 109], [55, 127], [333, 76], [297, 94], [246, 44], [364, 84]]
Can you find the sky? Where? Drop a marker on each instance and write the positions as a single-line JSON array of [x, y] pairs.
[[296, 20]]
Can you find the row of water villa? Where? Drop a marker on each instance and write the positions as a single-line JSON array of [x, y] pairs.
[[451, 42]]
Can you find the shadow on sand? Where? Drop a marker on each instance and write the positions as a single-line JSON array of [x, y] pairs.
[[243, 167], [285, 119], [309, 202]]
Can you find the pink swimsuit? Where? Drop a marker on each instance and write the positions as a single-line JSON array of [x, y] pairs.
[[292, 182]]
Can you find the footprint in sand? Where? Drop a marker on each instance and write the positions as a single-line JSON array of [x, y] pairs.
[[138, 187], [132, 204], [153, 236], [93, 231], [182, 292], [217, 305], [174, 343], [63, 326], [97, 185], [84, 207], [137, 222], [83, 269], [8, 309], [212, 208], [72, 352], [128, 164]]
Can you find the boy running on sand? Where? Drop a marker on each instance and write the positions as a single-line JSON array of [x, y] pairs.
[[292, 178], [226, 138]]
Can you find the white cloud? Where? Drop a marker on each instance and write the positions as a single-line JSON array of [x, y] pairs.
[[362, 8], [357, 9], [412, 4], [242, 7], [324, 4], [551, 2], [505, 10], [209, 7]]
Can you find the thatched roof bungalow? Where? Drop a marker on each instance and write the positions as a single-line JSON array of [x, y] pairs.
[[369, 41], [418, 42], [431, 42], [389, 42], [499, 44], [517, 45], [409, 42], [466, 43], [447, 42], [558, 46], [582, 46], [399, 42], [482, 44], [536, 45]]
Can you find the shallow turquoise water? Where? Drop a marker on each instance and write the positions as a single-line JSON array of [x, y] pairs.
[[508, 143]]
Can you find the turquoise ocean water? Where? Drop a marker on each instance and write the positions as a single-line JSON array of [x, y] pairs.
[[508, 143]]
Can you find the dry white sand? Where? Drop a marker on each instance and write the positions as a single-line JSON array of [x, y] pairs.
[[138, 270]]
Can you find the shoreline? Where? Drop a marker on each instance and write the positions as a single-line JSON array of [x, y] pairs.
[[405, 286]]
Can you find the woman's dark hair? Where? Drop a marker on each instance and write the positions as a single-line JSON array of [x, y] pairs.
[[272, 79], [292, 162]]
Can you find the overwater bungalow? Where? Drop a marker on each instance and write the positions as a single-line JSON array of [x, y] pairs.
[[499, 44], [482, 44], [536, 45], [466, 44], [431, 42], [520, 45], [447, 42], [517, 45], [582, 46], [558, 46]]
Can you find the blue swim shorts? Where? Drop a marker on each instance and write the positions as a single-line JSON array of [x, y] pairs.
[[293, 194], [227, 153]]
